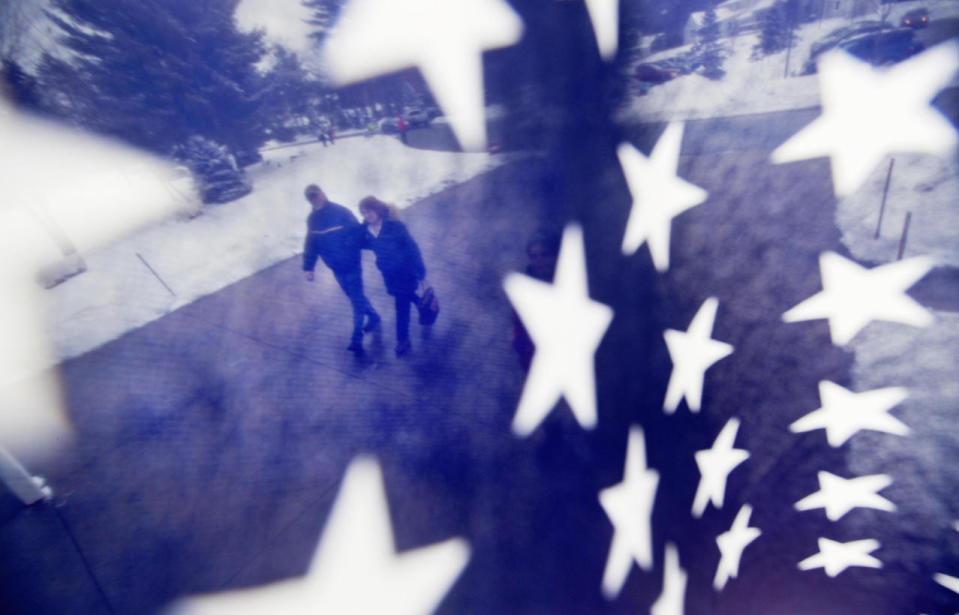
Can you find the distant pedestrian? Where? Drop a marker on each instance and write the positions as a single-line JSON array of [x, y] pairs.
[[334, 235], [331, 134], [371, 129], [401, 127], [542, 250], [399, 260]]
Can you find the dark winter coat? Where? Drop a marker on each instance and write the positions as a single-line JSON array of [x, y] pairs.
[[338, 247], [397, 257]]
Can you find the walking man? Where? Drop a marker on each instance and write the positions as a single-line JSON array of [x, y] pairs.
[[334, 235]]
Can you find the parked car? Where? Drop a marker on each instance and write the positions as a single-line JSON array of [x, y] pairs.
[[886, 47], [417, 118], [835, 37], [389, 126], [653, 72], [916, 18], [870, 41]]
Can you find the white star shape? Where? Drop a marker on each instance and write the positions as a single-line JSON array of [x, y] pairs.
[[715, 464], [869, 113], [692, 353], [839, 495], [629, 506], [604, 14], [844, 413], [355, 569], [444, 39], [658, 194], [853, 296], [566, 327], [951, 583], [673, 596], [834, 557], [731, 546], [101, 190]]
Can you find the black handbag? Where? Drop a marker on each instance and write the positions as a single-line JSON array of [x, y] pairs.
[[428, 306]]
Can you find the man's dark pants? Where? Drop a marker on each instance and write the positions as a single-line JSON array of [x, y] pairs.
[[351, 281]]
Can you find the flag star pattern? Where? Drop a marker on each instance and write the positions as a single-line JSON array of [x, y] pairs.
[[715, 464], [692, 353], [567, 327], [840, 495], [731, 545], [467, 440], [853, 296], [355, 568], [672, 599], [629, 506], [868, 113], [604, 15], [835, 557], [947, 581], [444, 40], [658, 194], [844, 413]]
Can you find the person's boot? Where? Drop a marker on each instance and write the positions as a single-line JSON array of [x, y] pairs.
[[403, 348]]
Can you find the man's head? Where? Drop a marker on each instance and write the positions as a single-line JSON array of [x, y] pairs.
[[315, 196]]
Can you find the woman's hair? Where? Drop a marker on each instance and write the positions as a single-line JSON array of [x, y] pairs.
[[371, 203]]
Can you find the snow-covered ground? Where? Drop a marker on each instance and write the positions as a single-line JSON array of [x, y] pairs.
[[752, 86], [228, 242]]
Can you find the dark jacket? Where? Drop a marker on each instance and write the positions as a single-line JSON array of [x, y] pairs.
[[338, 247], [397, 257]]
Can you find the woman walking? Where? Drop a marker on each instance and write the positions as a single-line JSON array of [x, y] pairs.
[[398, 259]]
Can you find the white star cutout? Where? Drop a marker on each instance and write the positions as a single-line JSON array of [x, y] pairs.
[[869, 113], [852, 296], [629, 506], [673, 596], [844, 413], [834, 557], [840, 495], [444, 39], [566, 327], [692, 353], [951, 583], [101, 190], [731, 546], [605, 17], [658, 194], [715, 464], [355, 569]]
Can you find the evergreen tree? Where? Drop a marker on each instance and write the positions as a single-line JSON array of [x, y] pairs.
[[325, 13], [21, 86], [286, 91], [709, 51], [156, 72], [776, 33], [217, 174]]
